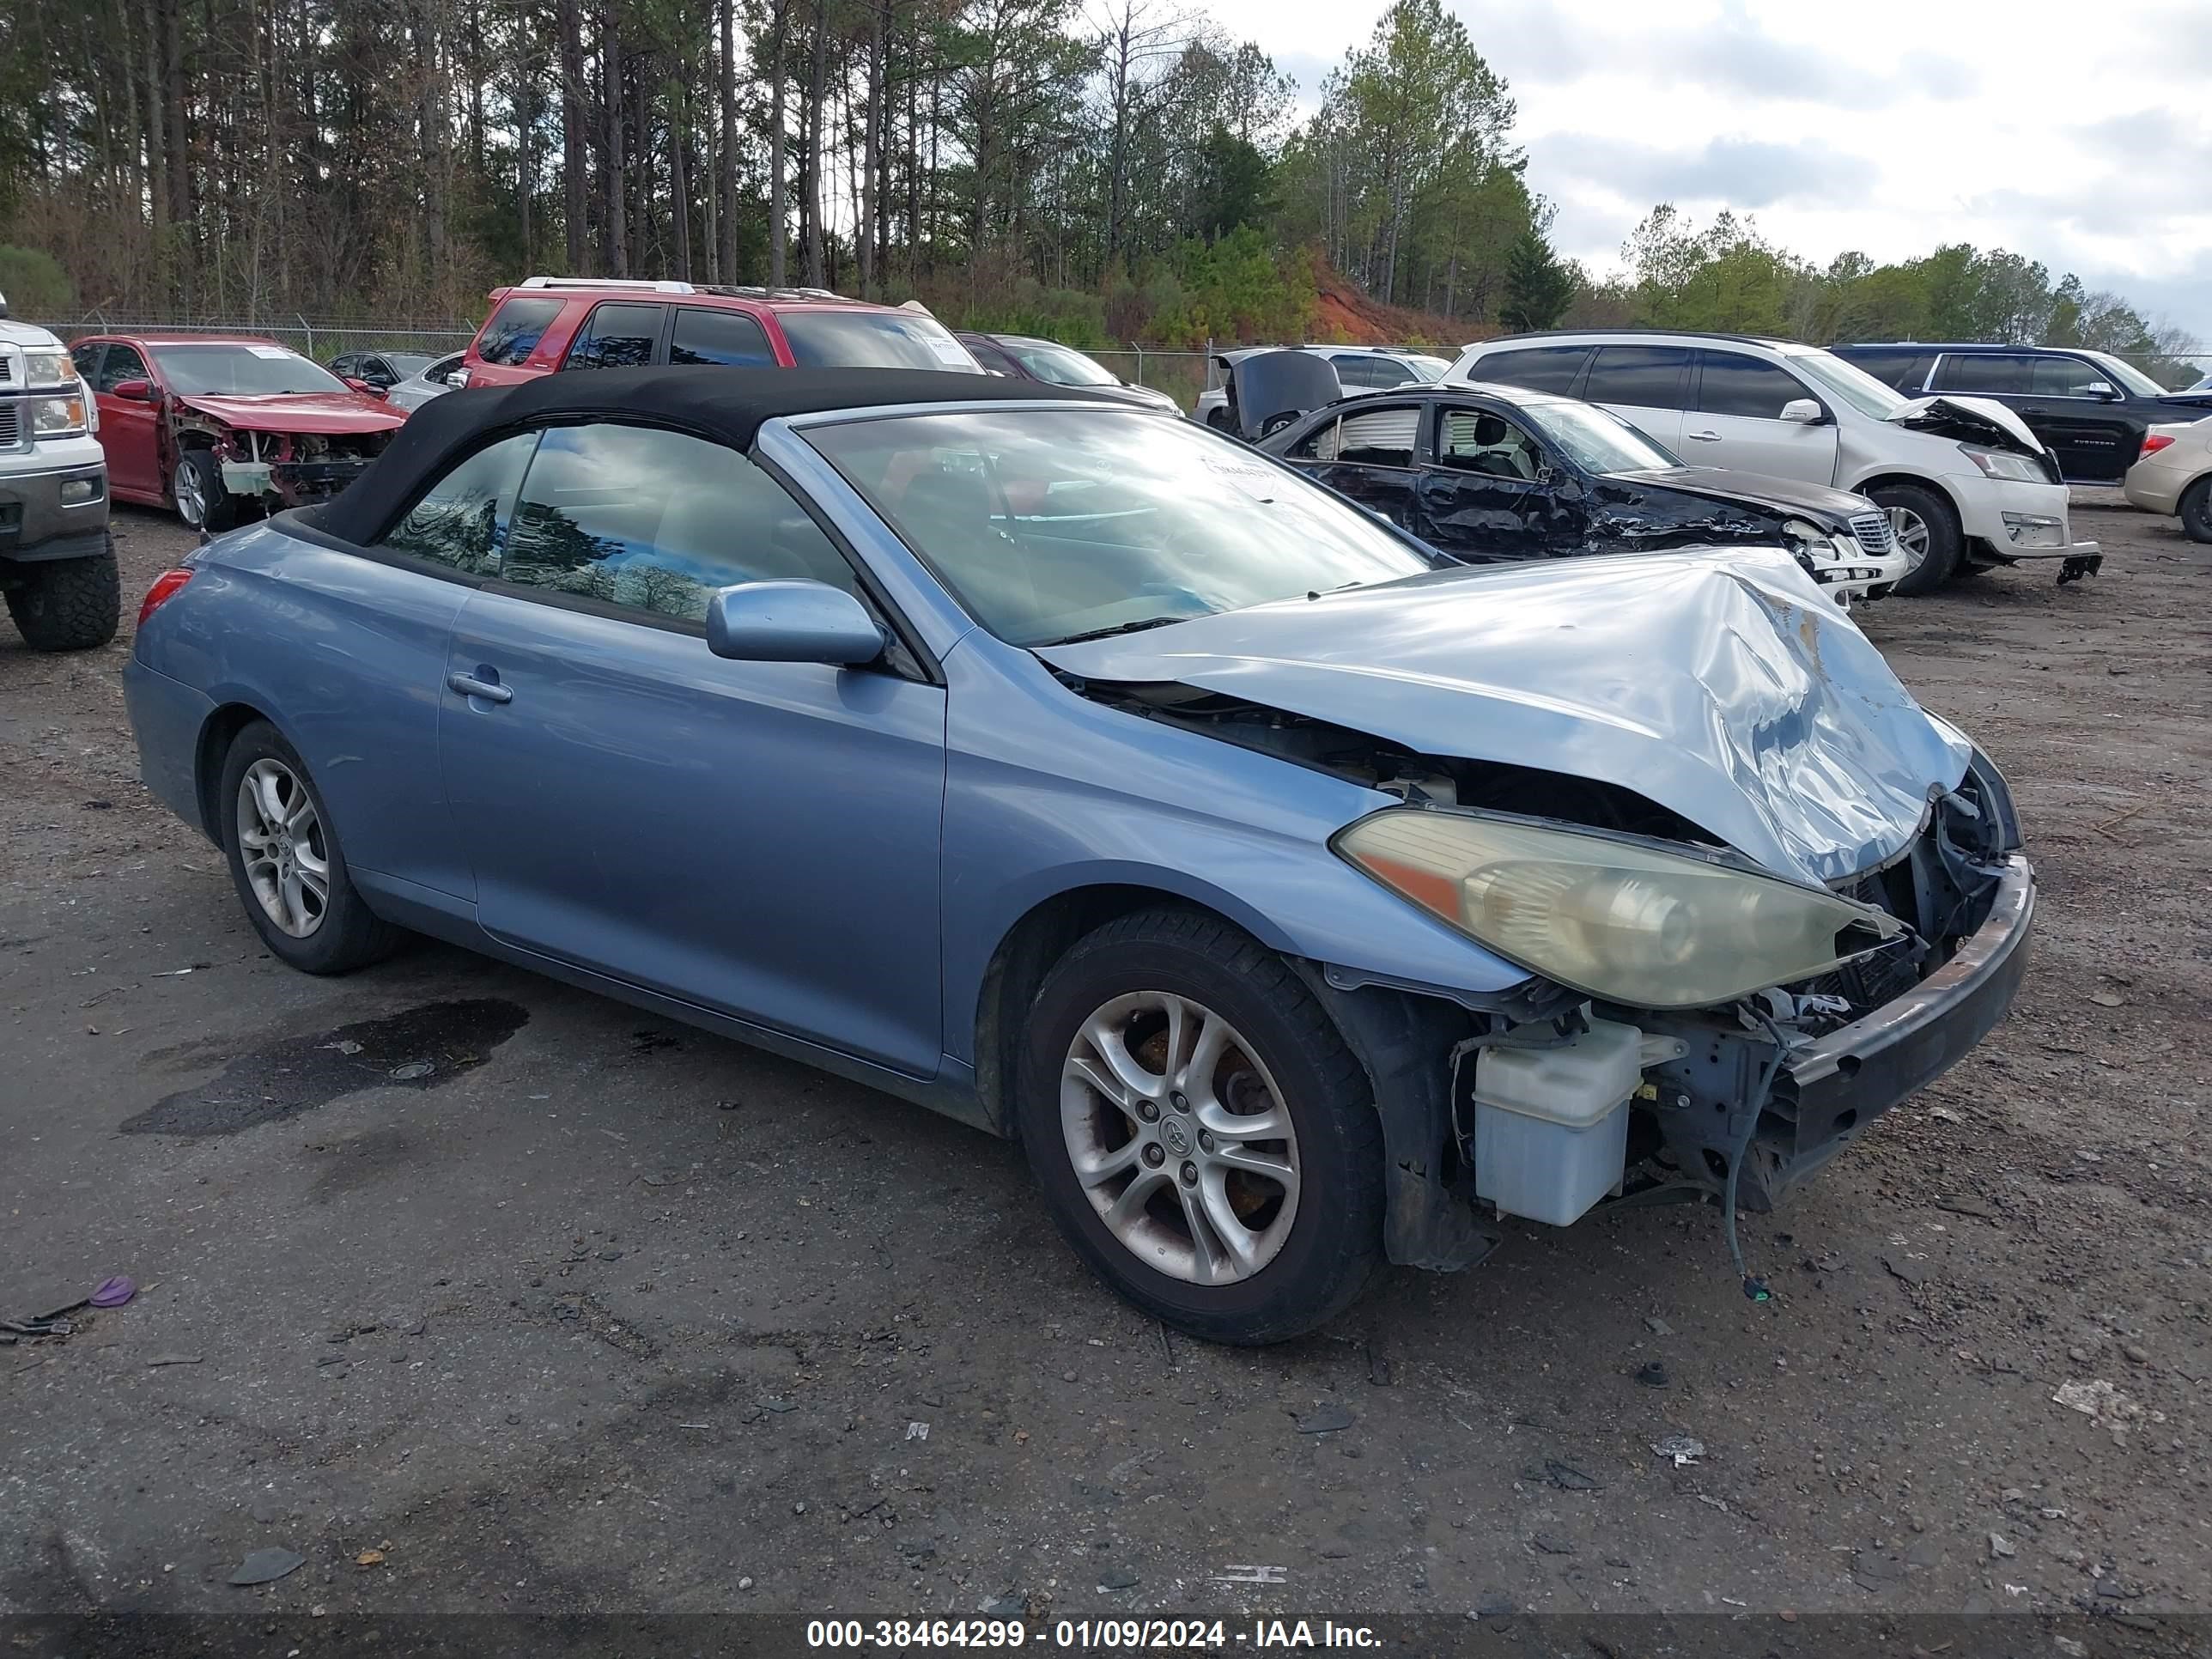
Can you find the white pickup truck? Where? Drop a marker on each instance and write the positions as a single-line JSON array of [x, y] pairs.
[[57, 554]]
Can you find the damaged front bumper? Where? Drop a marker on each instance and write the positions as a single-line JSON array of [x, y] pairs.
[[296, 483], [1845, 1080]]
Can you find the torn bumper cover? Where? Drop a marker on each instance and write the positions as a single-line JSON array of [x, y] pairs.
[[296, 484], [1845, 1080]]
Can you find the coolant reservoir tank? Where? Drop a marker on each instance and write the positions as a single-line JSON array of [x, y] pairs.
[[1551, 1125]]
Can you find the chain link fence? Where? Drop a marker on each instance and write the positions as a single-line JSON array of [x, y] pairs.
[[321, 341]]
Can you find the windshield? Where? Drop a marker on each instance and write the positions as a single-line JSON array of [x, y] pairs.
[[873, 339], [1054, 525], [1429, 368], [1598, 440], [241, 371], [2127, 376], [1847, 382], [1060, 364]]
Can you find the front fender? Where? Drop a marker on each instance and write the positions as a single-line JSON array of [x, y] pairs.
[[1048, 793]]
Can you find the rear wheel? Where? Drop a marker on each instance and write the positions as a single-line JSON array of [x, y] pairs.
[[1928, 534], [68, 604], [1204, 1140], [2195, 508], [285, 861], [203, 502]]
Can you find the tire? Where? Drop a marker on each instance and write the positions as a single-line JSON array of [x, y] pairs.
[[2196, 511], [1915, 506], [1310, 1245], [341, 933], [201, 500], [1219, 420], [68, 604]]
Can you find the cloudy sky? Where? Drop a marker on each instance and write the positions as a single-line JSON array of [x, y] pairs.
[[2078, 136]]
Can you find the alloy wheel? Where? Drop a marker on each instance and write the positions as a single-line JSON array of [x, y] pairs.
[[192, 503], [281, 843], [1180, 1138], [1912, 533]]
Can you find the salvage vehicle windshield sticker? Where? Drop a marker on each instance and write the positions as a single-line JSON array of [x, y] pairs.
[[950, 350], [1257, 481], [277, 352]]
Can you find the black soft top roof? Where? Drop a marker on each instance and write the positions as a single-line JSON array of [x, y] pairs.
[[726, 405]]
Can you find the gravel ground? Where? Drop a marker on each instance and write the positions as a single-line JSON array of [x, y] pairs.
[[603, 1314]]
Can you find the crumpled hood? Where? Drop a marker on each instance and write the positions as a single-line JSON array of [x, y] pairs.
[[1835, 506], [321, 412], [1718, 683], [1971, 420]]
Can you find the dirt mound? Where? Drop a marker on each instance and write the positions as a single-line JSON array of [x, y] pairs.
[[1345, 314]]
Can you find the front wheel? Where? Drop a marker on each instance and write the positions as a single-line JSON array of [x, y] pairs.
[[1928, 534], [1204, 1139], [203, 502], [2196, 509], [68, 604], [285, 861]]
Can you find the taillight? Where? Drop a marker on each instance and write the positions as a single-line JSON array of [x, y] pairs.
[[167, 587], [2153, 442]]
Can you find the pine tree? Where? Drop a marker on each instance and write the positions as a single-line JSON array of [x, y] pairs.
[[1538, 285]]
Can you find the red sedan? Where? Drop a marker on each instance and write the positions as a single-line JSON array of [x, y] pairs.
[[226, 427]]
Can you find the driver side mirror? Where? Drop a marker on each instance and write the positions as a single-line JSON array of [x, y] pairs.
[[792, 622], [1804, 411], [135, 391], [366, 388], [2104, 389]]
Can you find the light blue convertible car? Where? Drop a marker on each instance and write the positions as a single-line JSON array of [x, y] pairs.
[[1300, 899]]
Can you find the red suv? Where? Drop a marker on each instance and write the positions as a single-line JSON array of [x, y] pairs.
[[550, 322]]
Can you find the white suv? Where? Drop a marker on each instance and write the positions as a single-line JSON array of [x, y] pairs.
[[1963, 480]]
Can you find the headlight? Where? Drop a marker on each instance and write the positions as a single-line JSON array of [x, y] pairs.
[[1806, 534], [48, 368], [50, 417], [2002, 464], [1619, 920]]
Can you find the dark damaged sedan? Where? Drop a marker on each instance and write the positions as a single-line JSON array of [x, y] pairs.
[[224, 429], [1301, 899], [1496, 472]]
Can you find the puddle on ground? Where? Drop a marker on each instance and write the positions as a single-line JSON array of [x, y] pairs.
[[418, 1048]]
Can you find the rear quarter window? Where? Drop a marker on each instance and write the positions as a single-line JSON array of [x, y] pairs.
[[515, 329], [1540, 369]]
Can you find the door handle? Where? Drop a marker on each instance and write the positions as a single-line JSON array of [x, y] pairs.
[[1705, 437], [469, 686]]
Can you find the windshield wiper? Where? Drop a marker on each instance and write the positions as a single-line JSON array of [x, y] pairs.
[[1136, 627]]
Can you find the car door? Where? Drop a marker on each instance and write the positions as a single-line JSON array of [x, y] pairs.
[[1647, 385], [760, 839], [1736, 421], [1367, 453], [2091, 431], [129, 429], [1491, 491]]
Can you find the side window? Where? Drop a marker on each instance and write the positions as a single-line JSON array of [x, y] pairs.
[[1476, 441], [515, 329], [1905, 370], [1732, 384], [1540, 369], [615, 337], [1373, 437], [656, 521], [1985, 371], [1647, 377], [462, 519], [122, 363], [344, 364], [730, 338], [1353, 370], [86, 359], [2065, 377], [1388, 371]]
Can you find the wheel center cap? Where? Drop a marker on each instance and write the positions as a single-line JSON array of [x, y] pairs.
[[1175, 1135]]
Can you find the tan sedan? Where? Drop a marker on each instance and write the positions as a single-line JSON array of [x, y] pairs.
[[2173, 476]]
